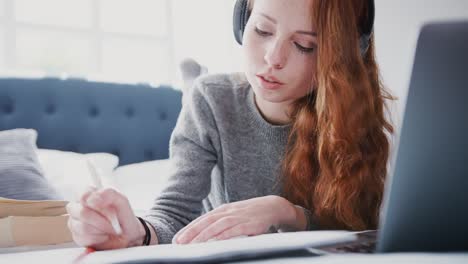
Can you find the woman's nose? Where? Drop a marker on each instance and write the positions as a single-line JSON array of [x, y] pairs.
[[276, 56]]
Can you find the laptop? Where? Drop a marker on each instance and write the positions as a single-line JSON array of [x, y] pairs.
[[425, 206]]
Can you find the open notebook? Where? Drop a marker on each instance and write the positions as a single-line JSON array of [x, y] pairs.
[[267, 245]]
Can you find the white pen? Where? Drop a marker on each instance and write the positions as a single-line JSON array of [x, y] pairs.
[[98, 184]]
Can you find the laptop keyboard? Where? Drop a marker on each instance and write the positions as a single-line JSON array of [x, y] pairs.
[[366, 243], [365, 247]]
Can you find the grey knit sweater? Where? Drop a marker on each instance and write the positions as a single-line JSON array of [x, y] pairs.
[[223, 151]]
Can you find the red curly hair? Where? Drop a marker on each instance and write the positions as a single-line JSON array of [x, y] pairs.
[[336, 158]]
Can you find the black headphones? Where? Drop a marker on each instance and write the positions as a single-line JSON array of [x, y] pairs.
[[242, 14]]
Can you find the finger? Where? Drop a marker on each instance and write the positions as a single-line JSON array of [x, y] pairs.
[[221, 209], [217, 228], [89, 216], [218, 210], [84, 229], [247, 229], [190, 225], [175, 239], [89, 190], [86, 235], [90, 241], [107, 209], [193, 229], [110, 200]]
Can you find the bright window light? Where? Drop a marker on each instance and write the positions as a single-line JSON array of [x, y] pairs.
[[136, 60], [55, 53], [70, 13], [148, 17]]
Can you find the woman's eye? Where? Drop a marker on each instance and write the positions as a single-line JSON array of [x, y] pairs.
[[262, 33], [304, 49]]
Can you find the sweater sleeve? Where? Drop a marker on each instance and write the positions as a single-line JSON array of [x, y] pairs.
[[192, 150]]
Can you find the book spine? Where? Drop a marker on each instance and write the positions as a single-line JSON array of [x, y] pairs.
[[6, 236], [43, 230]]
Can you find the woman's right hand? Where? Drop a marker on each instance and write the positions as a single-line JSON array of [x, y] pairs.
[[89, 220]]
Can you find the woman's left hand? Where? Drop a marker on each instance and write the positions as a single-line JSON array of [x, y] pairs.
[[245, 218]]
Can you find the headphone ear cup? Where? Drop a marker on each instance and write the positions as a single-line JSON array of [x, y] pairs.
[[364, 42], [240, 18], [367, 28]]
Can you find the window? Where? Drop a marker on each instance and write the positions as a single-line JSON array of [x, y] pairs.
[[116, 40], [123, 40]]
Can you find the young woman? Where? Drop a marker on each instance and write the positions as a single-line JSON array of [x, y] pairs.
[[296, 142]]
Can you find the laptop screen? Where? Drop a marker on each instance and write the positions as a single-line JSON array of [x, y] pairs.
[[426, 200]]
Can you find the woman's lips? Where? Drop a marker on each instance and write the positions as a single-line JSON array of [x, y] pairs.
[[270, 85]]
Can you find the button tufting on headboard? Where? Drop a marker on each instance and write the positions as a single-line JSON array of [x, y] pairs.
[[50, 109], [162, 116], [129, 112], [149, 154], [93, 111], [8, 109], [152, 113]]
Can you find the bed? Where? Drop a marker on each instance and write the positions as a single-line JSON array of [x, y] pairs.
[[123, 128], [126, 126], [133, 122]]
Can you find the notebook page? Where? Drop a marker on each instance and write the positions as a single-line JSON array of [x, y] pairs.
[[263, 244]]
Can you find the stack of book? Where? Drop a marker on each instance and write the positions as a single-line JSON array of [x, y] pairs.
[[25, 222]]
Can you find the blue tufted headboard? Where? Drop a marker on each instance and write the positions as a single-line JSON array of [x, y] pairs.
[[132, 121]]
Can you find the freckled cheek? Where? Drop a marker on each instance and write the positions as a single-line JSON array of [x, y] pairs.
[[309, 70], [254, 52], [305, 78], [253, 57]]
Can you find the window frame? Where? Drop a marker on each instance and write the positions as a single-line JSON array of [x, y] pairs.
[[94, 33]]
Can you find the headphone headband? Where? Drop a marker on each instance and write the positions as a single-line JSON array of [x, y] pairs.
[[240, 18], [242, 14], [367, 28]]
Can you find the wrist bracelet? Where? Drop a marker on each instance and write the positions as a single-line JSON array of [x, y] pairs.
[[307, 216], [147, 239]]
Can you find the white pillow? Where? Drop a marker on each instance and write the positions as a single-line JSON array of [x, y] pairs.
[[142, 182], [68, 171]]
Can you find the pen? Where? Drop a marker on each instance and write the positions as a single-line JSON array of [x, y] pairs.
[[98, 184], [87, 251]]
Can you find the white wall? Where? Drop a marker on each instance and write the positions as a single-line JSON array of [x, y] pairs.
[[397, 27], [203, 31]]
